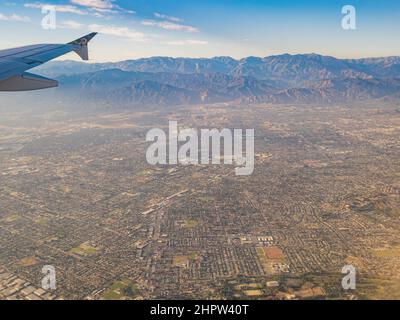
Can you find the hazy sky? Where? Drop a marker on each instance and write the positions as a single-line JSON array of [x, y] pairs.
[[205, 28]]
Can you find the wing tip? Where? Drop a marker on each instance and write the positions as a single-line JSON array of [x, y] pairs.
[[84, 40], [80, 46]]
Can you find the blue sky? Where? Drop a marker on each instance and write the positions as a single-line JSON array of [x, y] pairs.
[[204, 28]]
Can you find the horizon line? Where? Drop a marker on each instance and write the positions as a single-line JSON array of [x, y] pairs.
[[230, 57]]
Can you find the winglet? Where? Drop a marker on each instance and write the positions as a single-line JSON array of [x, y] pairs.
[[81, 45]]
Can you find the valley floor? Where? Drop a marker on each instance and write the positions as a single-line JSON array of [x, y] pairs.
[[78, 194]]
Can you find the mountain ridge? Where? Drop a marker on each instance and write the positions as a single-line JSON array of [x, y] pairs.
[[300, 78]]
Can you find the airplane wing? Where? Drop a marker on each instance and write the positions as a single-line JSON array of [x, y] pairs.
[[15, 62]]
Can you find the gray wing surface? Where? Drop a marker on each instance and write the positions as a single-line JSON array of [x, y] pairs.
[[14, 63]]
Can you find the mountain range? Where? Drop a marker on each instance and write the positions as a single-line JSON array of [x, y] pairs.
[[302, 78]]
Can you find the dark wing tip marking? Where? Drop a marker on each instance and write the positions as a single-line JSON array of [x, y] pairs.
[[84, 40]]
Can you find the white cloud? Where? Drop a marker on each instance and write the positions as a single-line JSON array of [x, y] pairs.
[[14, 17], [97, 8], [116, 31], [96, 4], [188, 42], [71, 24], [59, 8], [149, 23], [175, 26], [170, 18], [167, 25], [101, 7]]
